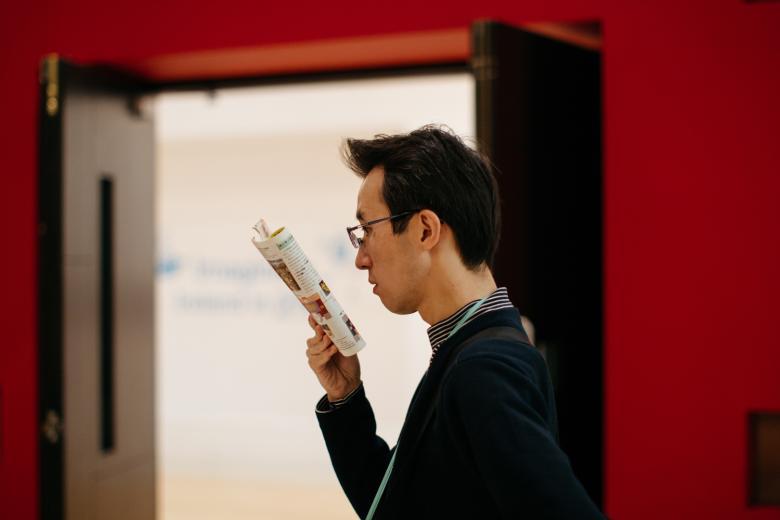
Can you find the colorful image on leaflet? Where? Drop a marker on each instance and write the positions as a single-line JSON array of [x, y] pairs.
[[314, 305], [351, 327], [284, 273]]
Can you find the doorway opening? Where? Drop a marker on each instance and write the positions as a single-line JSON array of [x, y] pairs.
[[237, 435]]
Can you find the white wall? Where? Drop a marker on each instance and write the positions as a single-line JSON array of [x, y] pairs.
[[235, 395]]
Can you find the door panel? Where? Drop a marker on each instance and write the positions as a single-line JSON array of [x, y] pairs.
[[539, 121], [97, 296]]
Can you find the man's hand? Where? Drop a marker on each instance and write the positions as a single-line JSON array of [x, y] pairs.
[[338, 374]]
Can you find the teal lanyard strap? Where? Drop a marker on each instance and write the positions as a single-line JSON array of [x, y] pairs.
[[382, 485], [464, 319], [389, 470]]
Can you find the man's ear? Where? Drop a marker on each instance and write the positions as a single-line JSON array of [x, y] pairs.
[[429, 232]]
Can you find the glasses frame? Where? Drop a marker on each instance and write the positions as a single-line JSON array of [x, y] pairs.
[[357, 242]]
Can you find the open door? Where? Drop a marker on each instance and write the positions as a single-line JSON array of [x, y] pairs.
[[539, 120], [96, 296]]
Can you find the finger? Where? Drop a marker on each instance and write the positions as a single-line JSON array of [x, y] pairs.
[[323, 354], [318, 335], [317, 361], [318, 346], [326, 353], [312, 322]]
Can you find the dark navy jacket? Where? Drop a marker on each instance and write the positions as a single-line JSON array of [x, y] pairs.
[[488, 450]]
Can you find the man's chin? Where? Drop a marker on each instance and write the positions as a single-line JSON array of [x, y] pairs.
[[395, 307]]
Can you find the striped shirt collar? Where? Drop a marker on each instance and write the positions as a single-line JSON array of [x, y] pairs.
[[437, 333]]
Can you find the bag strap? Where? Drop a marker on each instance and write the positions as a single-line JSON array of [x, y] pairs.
[[500, 333]]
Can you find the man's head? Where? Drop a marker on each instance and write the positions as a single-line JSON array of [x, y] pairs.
[[452, 197]]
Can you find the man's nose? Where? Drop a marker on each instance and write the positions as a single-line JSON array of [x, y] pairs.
[[362, 260]]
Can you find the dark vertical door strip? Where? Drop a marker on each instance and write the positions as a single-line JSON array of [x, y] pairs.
[[106, 314]]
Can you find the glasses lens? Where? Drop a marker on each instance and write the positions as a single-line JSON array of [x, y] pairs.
[[356, 237], [359, 234]]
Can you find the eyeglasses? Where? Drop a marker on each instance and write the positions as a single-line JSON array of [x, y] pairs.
[[357, 233]]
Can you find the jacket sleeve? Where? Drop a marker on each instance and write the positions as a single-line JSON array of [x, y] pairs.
[[358, 455], [498, 408]]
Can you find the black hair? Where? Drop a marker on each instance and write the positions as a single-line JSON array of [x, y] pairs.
[[432, 168]]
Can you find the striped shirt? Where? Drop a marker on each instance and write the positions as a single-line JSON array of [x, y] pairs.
[[439, 332]]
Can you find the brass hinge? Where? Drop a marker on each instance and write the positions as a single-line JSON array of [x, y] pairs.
[[484, 63], [51, 78], [52, 427]]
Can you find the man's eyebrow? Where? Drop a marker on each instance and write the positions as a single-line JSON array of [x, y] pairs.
[[359, 216]]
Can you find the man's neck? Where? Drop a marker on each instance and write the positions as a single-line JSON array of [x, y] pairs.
[[450, 291]]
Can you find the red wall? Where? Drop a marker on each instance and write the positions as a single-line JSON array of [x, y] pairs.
[[692, 174]]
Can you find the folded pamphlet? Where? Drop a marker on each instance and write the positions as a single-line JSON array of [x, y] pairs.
[[289, 261]]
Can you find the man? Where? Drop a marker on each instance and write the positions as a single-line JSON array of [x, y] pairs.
[[479, 439]]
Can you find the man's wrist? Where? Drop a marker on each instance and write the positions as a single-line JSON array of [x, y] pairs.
[[325, 405], [336, 397]]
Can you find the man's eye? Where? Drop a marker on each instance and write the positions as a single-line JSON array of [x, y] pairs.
[[367, 230]]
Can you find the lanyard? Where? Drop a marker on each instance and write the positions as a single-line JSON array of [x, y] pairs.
[[461, 322]]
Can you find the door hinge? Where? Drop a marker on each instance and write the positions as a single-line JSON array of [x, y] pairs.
[[50, 77], [52, 427]]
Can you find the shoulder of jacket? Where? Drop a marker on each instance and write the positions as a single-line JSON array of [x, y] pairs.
[[501, 349]]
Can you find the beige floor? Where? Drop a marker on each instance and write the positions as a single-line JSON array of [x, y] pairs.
[[197, 499]]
